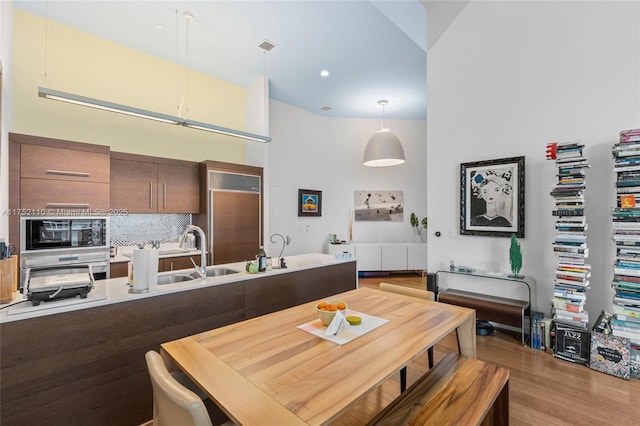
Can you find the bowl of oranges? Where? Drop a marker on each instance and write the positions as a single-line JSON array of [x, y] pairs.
[[327, 310]]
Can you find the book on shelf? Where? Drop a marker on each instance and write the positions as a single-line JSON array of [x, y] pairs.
[[634, 336], [570, 295], [584, 284], [626, 271], [610, 354], [575, 275], [571, 236], [567, 305], [568, 212], [626, 318], [567, 322], [570, 251], [626, 167], [547, 330], [628, 189], [628, 264], [630, 138], [624, 325], [570, 266], [569, 257], [570, 244], [536, 335], [626, 278], [625, 286], [573, 316], [626, 302], [626, 311], [572, 220], [623, 250], [571, 344]]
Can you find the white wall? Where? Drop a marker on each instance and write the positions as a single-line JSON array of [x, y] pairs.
[[505, 79], [312, 152]]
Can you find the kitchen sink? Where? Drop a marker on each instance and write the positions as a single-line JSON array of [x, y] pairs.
[[172, 251], [216, 272], [190, 276], [175, 278], [161, 252]]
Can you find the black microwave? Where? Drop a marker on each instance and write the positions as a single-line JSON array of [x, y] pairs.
[[51, 233]]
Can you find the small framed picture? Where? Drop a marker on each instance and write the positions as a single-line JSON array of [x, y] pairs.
[[492, 197], [309, 202]]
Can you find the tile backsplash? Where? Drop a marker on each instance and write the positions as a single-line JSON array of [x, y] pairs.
[[132, 229]]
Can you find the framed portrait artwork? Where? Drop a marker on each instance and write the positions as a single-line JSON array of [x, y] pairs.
[[492, 197], [309, 202]]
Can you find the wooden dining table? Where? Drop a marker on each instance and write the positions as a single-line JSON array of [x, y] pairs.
[[267, 371]]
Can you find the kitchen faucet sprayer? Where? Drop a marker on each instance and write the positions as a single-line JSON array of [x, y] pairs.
[[202, 269]]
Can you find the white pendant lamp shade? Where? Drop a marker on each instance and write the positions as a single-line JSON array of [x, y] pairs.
[[383, 149]]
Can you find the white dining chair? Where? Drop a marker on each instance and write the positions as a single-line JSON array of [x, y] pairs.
[[173, 404]]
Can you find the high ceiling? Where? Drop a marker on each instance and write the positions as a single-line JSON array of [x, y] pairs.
[[372, 49]]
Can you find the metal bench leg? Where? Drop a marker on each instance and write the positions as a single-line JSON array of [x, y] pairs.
[[403, 379]]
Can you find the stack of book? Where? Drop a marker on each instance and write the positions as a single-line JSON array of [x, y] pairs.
[[570, 243], [626, 234]]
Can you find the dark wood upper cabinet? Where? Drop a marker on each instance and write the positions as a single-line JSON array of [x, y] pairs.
[[178, 189], [142, 184], [133, 186], [58, 177], [45, 162]]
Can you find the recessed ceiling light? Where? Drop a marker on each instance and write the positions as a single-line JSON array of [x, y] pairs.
[[326, 108], [324, 73]]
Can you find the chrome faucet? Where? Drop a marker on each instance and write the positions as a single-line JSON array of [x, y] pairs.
[[201, 270]]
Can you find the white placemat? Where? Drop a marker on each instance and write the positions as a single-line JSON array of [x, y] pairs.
[[350, 332]]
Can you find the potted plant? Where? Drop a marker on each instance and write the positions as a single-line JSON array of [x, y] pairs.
[[418, 224]]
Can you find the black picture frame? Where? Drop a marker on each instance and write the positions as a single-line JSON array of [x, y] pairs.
[[492, 197], [309, 202]]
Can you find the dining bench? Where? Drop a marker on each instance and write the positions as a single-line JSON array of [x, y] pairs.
[[458, 390]]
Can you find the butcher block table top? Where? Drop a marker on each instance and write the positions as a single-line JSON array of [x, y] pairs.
[[268, 371]]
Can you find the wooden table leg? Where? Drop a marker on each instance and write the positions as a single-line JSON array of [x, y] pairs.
[[467, 337]]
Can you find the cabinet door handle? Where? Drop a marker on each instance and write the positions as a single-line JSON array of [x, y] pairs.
[[70, 205], [67, 173], [151, 195], [164, 189]]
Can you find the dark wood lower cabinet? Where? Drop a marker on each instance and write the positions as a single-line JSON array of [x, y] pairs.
[[87, 367]]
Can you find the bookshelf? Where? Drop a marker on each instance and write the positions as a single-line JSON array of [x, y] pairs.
[[626, 235], [571, 277]]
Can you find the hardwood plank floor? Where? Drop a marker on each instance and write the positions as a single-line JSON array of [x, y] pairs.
[[543, 390]]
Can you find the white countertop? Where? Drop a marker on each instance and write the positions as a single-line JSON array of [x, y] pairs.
[[116, 290]]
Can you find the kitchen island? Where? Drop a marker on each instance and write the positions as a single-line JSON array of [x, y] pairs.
[[83, 363]]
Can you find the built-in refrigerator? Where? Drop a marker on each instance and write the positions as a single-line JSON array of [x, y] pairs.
[[232, 214]]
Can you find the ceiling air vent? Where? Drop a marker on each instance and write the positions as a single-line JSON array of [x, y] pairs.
[[267, 46]]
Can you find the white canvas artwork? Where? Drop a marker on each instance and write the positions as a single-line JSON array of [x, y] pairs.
[[384, 205]]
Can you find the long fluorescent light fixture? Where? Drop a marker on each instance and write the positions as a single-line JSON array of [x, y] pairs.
[[226, 131], [150, 115]]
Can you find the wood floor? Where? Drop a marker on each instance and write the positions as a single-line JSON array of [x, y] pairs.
[[543, 390]]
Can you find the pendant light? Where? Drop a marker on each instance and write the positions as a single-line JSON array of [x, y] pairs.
[[384, 148]]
